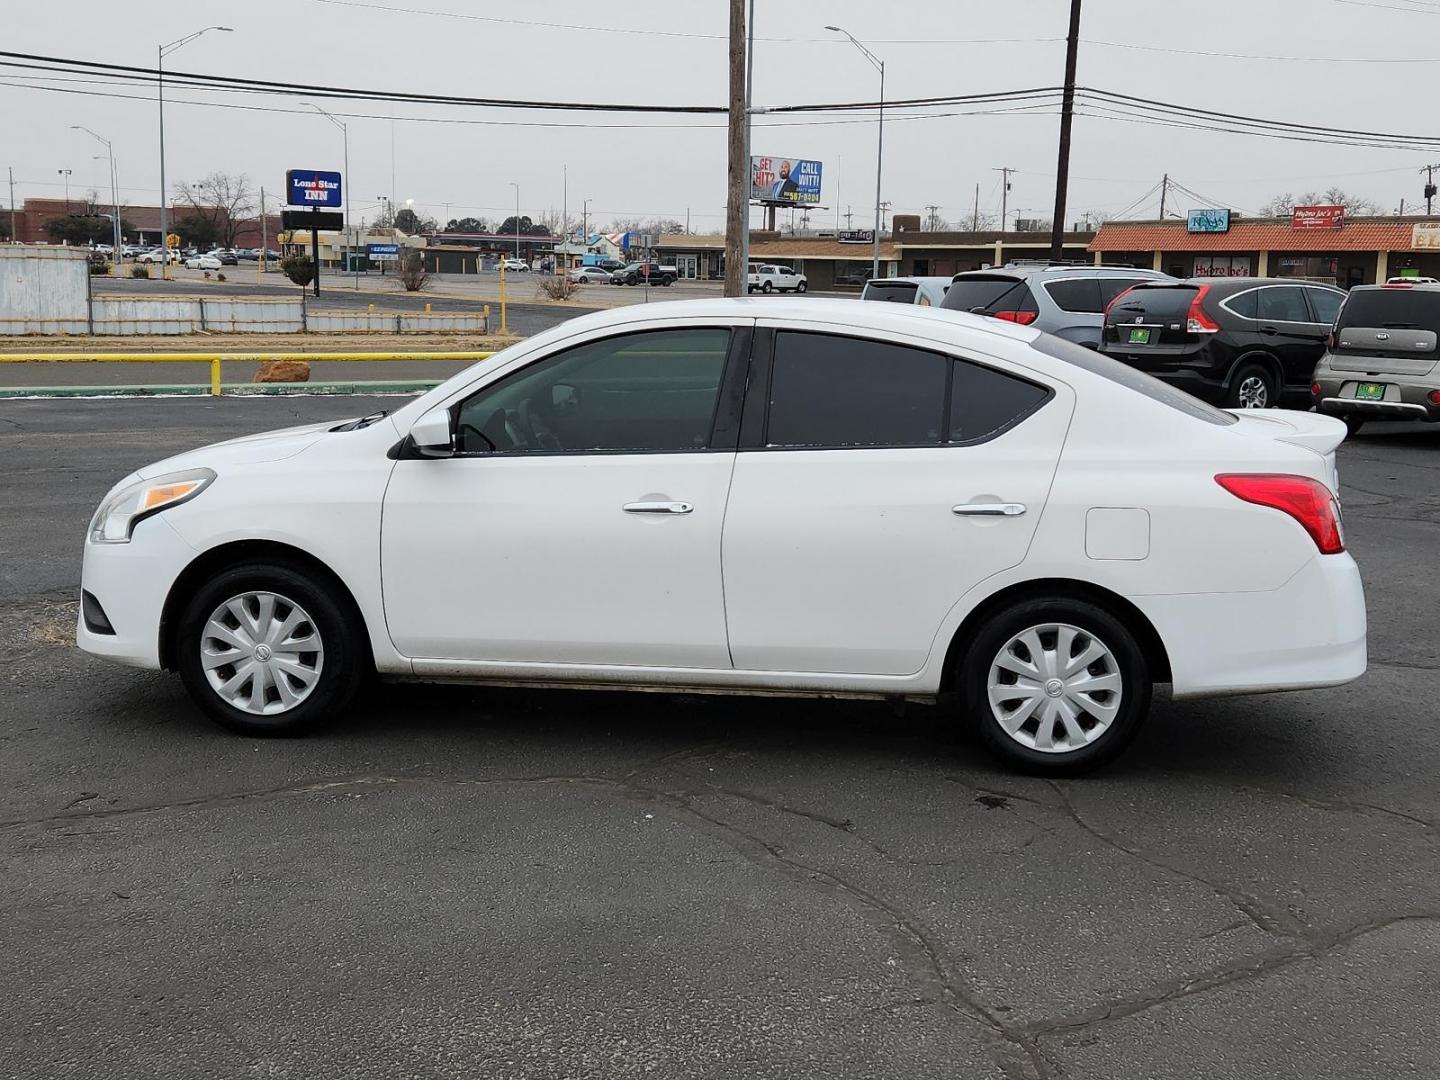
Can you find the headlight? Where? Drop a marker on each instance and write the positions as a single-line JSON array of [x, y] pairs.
[[118, 515]]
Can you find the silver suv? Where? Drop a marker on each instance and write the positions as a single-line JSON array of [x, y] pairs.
[[1065, 300]]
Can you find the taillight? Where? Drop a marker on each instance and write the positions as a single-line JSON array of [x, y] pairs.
[[1024, 318], [1307, 501], [1196, 321], [1434, 397], [1315, 389]]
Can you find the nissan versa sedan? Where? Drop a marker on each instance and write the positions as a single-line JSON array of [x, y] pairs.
[[777, 496]]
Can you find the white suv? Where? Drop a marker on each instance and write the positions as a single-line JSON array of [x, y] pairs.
[[769, 278]]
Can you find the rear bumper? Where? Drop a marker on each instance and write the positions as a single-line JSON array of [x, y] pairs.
[[1403, 400], [1308, 633]]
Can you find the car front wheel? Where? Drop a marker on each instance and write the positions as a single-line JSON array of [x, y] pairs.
[[1057, 686], [265, 650], [1253, 387]]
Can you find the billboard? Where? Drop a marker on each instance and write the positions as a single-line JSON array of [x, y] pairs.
[[1317, 217], [1208, 221], [306, 187], [784, 181]]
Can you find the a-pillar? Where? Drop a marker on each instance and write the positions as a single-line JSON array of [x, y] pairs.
[[1382, 267]]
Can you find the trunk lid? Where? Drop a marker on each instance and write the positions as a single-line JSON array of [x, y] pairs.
[[1313, 431]]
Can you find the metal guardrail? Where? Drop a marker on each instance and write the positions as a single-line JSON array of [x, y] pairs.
[[216, 360]]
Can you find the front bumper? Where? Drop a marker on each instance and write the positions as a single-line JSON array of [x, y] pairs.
[[1308, 633], [130, 583]]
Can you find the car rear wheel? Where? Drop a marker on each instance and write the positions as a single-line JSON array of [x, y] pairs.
[[1253, 387], [264, 650], [1057, 686], [766, 287], [801, 287]]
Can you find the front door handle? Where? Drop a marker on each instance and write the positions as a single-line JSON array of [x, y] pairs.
[[998, 509], [658, 508]]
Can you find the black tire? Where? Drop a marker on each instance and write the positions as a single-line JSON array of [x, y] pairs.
[[1353, 423], [766, 287], [343, 669], [1125, 659], [802, 286], [1249, 381]]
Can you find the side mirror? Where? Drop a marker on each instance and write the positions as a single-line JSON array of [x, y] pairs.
[[432, 436]]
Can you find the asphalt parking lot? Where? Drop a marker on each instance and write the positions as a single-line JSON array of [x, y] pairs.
[[508, 883]]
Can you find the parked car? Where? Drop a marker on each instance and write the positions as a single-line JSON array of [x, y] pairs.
[[203, 262], [1246, 343], [158, 255], [604, 262], [515, 266], [1382, 356], [924, 291], [953, 478], [227, 256], [642, 274], [586, 275], [1402, 280], [767, 277], [1065, 300], [247, 254]]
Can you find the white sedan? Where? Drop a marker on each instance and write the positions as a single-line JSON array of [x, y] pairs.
[[822, 498], [203, 262]]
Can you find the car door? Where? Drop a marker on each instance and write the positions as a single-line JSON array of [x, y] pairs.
[[1288, 330], [877, 482], [578, 521]]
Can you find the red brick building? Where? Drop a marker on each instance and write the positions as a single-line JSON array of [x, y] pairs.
[[143, 222]]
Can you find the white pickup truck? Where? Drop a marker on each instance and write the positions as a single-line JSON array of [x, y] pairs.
[[765, 277]]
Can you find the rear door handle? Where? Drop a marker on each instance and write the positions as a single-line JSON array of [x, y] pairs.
[[989, 509], [1268, 330], [658, 508]]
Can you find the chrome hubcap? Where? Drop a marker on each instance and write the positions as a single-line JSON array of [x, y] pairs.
[[1253, 393], [1055, 688], [261, 653]]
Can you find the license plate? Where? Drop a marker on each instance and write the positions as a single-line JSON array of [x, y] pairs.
[[1370, 391], [1139, 335]]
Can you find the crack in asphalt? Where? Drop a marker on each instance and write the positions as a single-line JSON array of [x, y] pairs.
[[1267, 921]]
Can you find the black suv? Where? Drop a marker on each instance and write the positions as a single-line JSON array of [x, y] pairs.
[[1239, 342]]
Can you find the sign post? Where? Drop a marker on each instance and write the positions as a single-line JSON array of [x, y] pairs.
[[317, 190]]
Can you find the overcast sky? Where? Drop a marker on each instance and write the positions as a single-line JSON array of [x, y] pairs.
[[673, 52]]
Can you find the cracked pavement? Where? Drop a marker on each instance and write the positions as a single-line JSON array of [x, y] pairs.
[[463, 882]]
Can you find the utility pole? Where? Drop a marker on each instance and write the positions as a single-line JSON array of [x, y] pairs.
[[1429, 171], [736, 205], [1067, 116], [1164, 192], [749, 112], [849, 216], [1004, 194], [14, 236], [932, 214], [564, 219], [265, 238], [975, 221]]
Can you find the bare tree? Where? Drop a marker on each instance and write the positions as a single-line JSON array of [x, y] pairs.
[[933, 221], [1355, 205], [221, 202]]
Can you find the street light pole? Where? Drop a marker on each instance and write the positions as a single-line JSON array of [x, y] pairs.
[[114, 187], [162, 52], [878, 65], [345, 136], [66, 174], [517, 217]]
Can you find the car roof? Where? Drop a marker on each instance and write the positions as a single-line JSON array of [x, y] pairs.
[[922, 279], [1419, 286], [1074, 271]]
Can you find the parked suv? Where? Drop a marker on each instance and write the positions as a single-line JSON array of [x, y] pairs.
[[643, 274], [1067, 301], [924, 291], [1381, 363], [1240, 342]]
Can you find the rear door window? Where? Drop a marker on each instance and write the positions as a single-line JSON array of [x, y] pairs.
[[1082, 295], [1283, 303]]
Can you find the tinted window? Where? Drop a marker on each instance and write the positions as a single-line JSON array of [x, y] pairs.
[[1076, 295], [1110, 288], [1107, 368], [835, 392], [1325, 304], [1283, 303], [983, 401], [894, 292], [1164, 302], [968, 293], [1245, 304], [1395, 308], [653, 391]]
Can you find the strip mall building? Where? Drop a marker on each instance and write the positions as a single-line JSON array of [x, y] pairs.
[[1359, 251]]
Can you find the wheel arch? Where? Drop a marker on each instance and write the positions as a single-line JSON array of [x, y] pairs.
[[1267, 360], [1148, 638], [208, 563]]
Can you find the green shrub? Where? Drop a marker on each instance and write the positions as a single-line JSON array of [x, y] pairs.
[[298, 268], [139, 271]]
